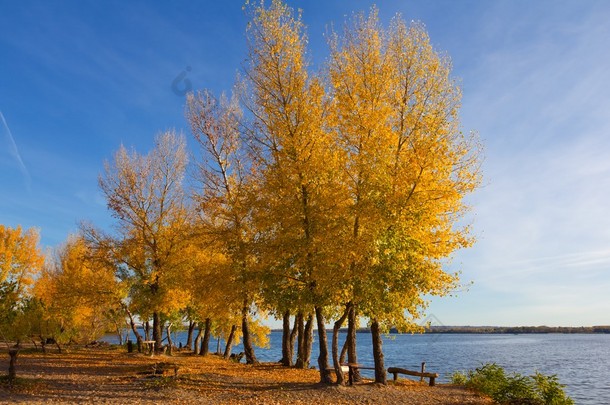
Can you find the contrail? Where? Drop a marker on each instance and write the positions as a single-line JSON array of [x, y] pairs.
[[15, 152]]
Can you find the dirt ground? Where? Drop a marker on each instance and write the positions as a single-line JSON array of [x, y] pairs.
[[107, 375]]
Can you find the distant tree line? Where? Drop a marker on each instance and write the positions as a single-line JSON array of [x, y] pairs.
[[517, 329]]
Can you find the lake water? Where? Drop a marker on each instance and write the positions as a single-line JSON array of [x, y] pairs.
[[581, 361]]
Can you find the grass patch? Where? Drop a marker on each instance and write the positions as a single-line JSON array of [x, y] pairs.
[[492, 380]]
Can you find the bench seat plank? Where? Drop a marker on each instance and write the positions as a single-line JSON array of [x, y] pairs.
[[398, 370]]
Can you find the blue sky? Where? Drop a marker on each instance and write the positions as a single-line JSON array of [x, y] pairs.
[[79, 78]]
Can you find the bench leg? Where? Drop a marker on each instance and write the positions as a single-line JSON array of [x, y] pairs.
[[432, 381]]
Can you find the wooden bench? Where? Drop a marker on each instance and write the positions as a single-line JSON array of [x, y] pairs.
[[351, 368], [422, 374]]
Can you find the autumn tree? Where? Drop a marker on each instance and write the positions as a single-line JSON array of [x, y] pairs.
[[224, 200], [213, 302], [20, 262], [80, 295], [146, 196], [296, 167], [358, 77], [407, 169]]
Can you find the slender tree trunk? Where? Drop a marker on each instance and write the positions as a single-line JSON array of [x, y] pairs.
[[300, 340], [157, 331], [323, 357], [43, 345], [205, 343], [147, 330], [198, 339], [293, 336], [248, 349], [343, 352], [12, 373], [286, 348], [352, 356], [170, 344], [218, 345], [308, 341], [335, 348], [134, 328], [118, 332], [189, 337], [34, 342], [380, 373], [230, 342]]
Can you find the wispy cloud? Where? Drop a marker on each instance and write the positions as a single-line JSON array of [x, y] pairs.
[[538, 94], [9, 141]]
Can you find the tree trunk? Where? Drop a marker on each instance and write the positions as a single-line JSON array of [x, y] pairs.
[[286, 348], [198, 339], [218, 345], [170, 344], [293, 335], [147, 330], [205, 343], [118, 332], [43, 345], [335, 348], [230, 342], [34, 342], [323, 357], [308, 341], [300, 340], [380, 373], [189, 337], [134, 329], [157, 332], [12, 373], [343, 352], [248, 349], [352, 356]]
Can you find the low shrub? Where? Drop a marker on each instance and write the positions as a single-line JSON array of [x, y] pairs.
[[492, 380]]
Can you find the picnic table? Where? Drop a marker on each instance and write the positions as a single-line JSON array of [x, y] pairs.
[[150, 345]]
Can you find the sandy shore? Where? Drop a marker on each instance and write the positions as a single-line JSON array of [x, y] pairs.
[[113, 376]]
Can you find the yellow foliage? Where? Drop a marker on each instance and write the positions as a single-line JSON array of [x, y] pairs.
[[20, 256], [297, 209], [407, 165], [145, 194], [80, 294]]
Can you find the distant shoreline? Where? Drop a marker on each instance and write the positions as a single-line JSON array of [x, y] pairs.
[[519, 329], [601, 329]]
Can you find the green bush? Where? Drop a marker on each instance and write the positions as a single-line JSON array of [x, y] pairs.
[[459, 378], [492, 380]]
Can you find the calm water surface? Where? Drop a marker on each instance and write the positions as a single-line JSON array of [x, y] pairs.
[[582, 362]]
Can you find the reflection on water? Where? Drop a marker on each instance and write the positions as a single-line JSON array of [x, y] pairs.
[[582, 362]]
